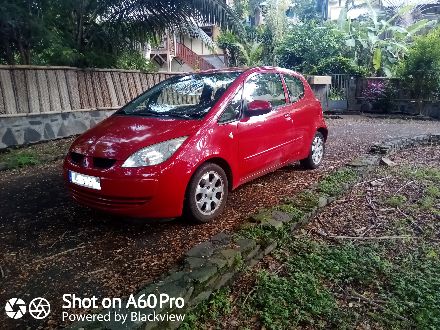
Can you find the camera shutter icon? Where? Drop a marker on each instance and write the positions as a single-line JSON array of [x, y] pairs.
[[15, 308]]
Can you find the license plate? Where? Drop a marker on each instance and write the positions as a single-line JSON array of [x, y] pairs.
[[88, 181]]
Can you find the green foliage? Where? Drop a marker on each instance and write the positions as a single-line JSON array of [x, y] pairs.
[[241, 8], [336, 94], [133, 60], [338, 64], [430, 198], [425, 173], [396, 200], [306, 45], [407, 283], [23, 30], [305, 201], [306, 10], [219, 304], [95, 33], [420, 70], [334, 183], [414, 287], [21, 159], [379, 41], [229, 42], [247, 53], [284, 303]]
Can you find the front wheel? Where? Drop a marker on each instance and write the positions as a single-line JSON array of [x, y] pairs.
[[207, 193], [316, 154]]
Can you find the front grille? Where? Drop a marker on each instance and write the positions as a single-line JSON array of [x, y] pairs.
[[103, 163], [107, 202], [98, 162], [76, 158]]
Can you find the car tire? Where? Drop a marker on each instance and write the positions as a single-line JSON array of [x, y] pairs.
[[206, 194], [316, 154]]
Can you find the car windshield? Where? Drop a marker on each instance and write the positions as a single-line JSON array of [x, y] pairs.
[[188, 97]]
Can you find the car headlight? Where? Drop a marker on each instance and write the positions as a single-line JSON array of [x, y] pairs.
[[154, 154]]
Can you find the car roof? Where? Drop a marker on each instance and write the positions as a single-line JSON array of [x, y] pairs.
[[252, 70]]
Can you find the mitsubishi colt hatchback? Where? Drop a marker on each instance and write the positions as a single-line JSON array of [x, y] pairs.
[[178, 148]]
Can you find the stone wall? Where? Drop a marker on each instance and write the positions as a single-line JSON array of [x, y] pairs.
[[19, 130]]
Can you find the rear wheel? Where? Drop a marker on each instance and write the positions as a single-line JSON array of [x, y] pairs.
[[316, 155], [207, 193]]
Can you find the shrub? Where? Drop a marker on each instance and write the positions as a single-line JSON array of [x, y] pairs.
[[380, 94], [420, 70], [306, 45], [134, 60], [229, 42], [338, 65]]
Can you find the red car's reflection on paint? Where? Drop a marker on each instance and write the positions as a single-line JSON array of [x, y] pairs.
[[182, 145]]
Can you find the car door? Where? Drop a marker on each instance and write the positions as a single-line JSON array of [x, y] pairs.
[[301, 117], [264, 140]]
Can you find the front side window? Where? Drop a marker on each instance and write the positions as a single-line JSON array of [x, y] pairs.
[[189, 97], [232, 110], [295, 87], [265, 87]]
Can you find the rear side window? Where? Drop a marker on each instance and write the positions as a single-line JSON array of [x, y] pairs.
[[265, 87], [295, 88]]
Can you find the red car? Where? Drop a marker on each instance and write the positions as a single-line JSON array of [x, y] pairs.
[[178, 148]]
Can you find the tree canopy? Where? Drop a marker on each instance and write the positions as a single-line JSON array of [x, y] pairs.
[[96, 32]]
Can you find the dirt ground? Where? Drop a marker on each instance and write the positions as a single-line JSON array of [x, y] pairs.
[[51, 246], [369, 260]]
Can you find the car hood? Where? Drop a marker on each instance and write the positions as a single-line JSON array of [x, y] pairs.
[[118, 137]]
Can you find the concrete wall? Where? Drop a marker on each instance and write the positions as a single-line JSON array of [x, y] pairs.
[[36, 90]]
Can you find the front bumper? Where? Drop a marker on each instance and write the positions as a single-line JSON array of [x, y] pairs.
[[134, 195]]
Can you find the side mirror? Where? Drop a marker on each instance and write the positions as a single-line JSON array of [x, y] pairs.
[[258, 107]]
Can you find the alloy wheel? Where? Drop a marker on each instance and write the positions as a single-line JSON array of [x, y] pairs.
[[209, 192], [317, 149]]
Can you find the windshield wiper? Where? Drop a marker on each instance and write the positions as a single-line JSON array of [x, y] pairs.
[[179, 115]]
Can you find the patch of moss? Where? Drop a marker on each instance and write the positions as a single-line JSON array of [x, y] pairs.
[[334, 184]]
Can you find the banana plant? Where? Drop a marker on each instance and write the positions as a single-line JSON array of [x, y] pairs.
[[378, 42], [251, 53]]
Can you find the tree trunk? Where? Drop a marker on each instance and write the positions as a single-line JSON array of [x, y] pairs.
[[80, 26]]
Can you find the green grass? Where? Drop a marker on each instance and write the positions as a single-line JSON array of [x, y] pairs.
[[286, 302], [388, 284], [334, 184], [218, 305], [402, 279], [430, 199], [20, 159], [35, 154], [396, 200], [424, 173]]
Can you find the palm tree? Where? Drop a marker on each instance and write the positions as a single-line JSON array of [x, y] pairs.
[[86, 32], [155, 16]]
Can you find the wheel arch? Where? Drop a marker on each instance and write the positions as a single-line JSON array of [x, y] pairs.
[[225, 166], [324, 132]]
